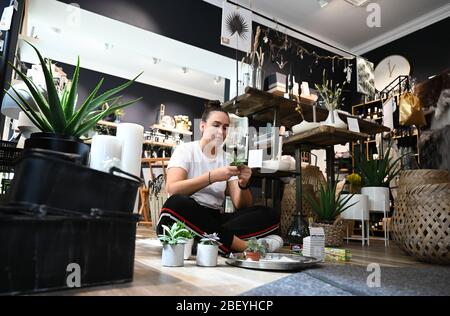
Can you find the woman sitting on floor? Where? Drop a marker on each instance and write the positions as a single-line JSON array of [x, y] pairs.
[[198, 178]]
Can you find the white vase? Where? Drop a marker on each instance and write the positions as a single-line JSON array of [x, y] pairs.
[[207, 255], [334, 120], [188, 249], [173, 255], [378, 198], [360, 209], [304, 126]]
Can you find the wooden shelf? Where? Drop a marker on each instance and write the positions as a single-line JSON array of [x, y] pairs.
[[172, 130], [323, 136], [259, 103], [152, 143], [108, 124]]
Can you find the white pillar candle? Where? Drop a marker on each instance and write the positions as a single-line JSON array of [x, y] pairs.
[[106, 151], [132, 137]]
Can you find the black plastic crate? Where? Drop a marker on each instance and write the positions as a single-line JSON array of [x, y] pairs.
[[38, 244], [49, 180]]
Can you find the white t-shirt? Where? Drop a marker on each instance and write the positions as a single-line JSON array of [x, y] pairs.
[[190, 157]]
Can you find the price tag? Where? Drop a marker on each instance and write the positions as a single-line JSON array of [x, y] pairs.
[[353, 124], [5, 22]]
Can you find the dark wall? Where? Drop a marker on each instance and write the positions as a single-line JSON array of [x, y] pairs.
[[428, 50], [145, 111]]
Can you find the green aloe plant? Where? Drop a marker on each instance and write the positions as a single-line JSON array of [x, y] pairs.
[[329, 206], [378, 172], [57, 112]]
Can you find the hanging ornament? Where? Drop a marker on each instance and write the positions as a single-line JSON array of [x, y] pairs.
[[310, 69], [332, 64], [266, 39], [281, 63]]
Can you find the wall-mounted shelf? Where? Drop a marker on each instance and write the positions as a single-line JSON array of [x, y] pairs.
[[171, 130]]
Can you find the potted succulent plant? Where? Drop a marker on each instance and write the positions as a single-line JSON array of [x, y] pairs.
[[332, 99], [189, 236], [173, 245], [57, 115], [256, 249], [328, 208], [208, 250], [376, 176]]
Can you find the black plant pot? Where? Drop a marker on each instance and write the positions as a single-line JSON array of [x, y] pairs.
[[59, 143]]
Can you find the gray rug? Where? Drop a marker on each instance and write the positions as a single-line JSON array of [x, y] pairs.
[[352, 280]]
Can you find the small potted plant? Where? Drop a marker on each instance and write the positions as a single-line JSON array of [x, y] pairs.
[[208, 250], [173, 245], [256, 249], [189, 236], [328, 209]]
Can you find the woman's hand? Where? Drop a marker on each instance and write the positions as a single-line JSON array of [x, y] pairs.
[[245, 173], [223, 174]]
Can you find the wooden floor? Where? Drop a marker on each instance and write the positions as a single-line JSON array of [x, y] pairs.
[[150, 278]]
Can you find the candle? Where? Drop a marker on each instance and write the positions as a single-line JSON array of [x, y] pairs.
[[132, 138], [106, 151]]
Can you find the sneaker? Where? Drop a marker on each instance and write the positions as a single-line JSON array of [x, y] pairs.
[[273, 242]]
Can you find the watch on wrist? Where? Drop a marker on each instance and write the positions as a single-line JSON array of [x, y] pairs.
[[244, 188]]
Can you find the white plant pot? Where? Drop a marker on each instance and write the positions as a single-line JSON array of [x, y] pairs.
[[304, 126], [188, 249], [378, 198], [336, 122], [173, 255], [359, 211], [207, 255]]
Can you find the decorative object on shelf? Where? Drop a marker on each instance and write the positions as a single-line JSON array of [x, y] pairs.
[[304, 125], [365, 77], [332, 98], [168, 122], [173, 245], [57, 115], [328, 209], [106, 152], [182, 122], [132, 138], [119, 114], [256, 249], [208, 250], [298, 230]]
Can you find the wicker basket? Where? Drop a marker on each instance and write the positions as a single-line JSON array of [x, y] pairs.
[[289, 206], [409, 180], [427, 224], [334, 233]]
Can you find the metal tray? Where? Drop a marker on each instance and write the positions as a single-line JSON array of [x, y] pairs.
[[270, 263]]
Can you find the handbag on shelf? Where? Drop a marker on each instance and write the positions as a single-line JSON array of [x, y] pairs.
[[411, 112]]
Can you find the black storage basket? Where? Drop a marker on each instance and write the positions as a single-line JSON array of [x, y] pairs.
[[47, 180], [38, 244]]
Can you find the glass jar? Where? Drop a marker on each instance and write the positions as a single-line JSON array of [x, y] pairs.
[[298, 230]]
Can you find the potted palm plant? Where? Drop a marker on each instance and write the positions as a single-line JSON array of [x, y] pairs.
[[328, 209], [255, 249], [376, 175], [57, 115], [208, 250], [173, 245]]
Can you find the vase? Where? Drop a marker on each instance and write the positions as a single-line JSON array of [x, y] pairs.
[[173, 255], [257, 81], [334, 120], [207, 255], [298, 230], [188, 248]]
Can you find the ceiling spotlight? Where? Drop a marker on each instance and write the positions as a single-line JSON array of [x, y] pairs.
[[109, 46], [323, 3], [184, 70], [217, 79], [56, 30], [156, 60]]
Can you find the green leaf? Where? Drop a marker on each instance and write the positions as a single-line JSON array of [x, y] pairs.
[[72, 98], [58, 120]]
